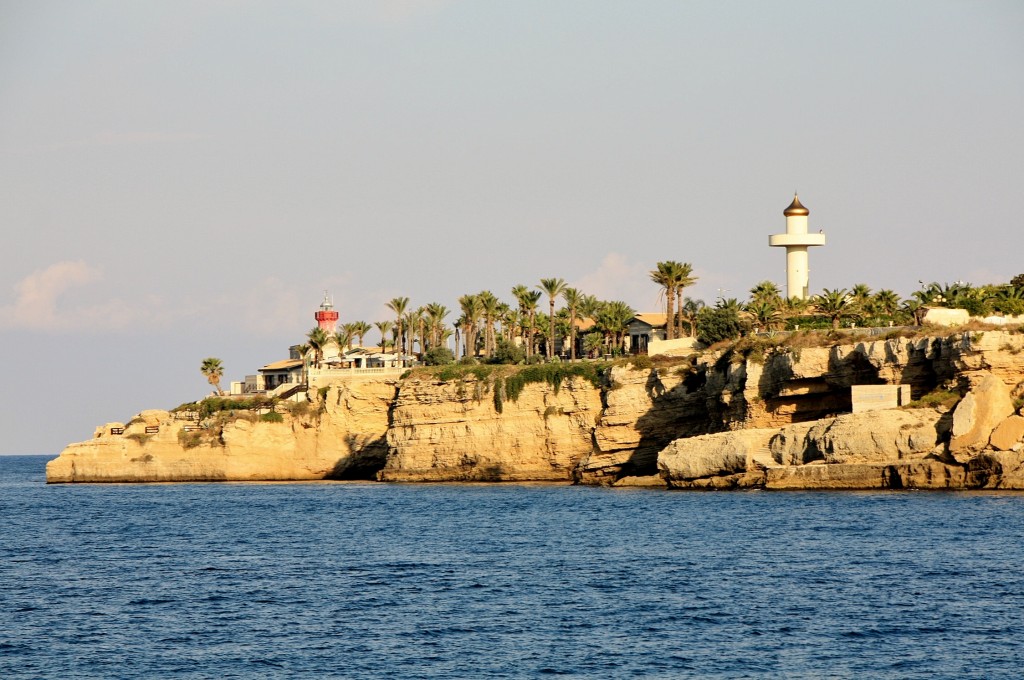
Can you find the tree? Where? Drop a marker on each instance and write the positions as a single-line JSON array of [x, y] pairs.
[[835, 304], [490, 308], [553, 288], [438, 356], [383, 327], [766, 291], [528, 300], [684, 278], [1017, 281], [471, 311], [664, 276], [764, 314], [613, 319], [213, 370], [343, 338], [689, 311], [887, 302], [718, 323], [361, 328], [398, 305], [435, 321], [318, 339], [573, 297]]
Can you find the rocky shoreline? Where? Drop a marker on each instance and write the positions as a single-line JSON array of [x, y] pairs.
[[751, 416]]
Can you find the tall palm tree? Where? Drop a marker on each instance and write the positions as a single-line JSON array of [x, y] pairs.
[[383, 327], [317, 338], [413, 321], [361, 328], [471, 311], [490, 308], [213, 370], [573, 297], [553, 288], [528, 300], [352, 330], [343, 338], [435, 314], [667, 275], [398, 305], [684, 277]]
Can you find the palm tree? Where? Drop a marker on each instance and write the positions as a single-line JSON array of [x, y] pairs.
[[490, 308], [613, 319], [764, 313], [318, 338], [528, 300], [343, 338], [553, 288], [413, 321], [573, 297], [360, 329], [398, 305], [664, 277], [887, 301], [383, 327], [436, 313], [213, 370], [765, 291], [471, 310], [689, 311], [352, 330], [835, 304], [683, 277]]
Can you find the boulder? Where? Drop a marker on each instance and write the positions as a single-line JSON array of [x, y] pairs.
[[876, 436], [979, 413], [1008, 434], [713, 455], [647, 481]]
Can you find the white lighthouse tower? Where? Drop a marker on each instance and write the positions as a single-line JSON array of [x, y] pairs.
[[796, 241]]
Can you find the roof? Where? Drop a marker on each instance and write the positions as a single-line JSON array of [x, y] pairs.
[[282, 365], [653, 319], [584, 325], [796, 208]]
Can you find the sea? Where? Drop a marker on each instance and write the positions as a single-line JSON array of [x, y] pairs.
[[368, 580]]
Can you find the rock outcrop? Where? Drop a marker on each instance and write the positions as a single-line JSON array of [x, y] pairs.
[[760, 414], [338, 436], [453, 431]]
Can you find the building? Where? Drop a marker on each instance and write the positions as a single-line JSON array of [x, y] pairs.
[[643, 328], [796, 241]]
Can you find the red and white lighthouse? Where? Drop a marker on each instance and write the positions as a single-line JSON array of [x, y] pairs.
[[326, 318]]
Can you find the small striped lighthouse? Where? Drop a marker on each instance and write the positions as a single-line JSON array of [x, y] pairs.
[[326, 317]]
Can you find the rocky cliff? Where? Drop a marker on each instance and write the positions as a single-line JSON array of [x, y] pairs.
[[340, 435], [736, 415]]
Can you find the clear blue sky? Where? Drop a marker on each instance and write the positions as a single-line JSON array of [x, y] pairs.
[[183, 179]]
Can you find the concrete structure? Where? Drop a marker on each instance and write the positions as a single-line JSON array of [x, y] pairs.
[[796, 241], [875, 397], [327, 318]]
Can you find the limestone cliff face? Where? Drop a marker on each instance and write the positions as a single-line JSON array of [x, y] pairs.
[[452, 431], [980, 444], [340, 436], [421, 429]]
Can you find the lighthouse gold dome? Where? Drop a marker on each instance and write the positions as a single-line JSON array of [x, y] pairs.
[[796, 208]]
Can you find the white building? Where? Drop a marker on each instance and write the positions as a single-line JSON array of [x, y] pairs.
[[796, 241]]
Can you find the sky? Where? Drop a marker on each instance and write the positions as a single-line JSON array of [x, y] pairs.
[[184, 179]]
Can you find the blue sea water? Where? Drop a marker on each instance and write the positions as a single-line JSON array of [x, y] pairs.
[[364, 580]]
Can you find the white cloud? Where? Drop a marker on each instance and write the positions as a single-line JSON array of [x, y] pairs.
[[616, 278], [35, 302]]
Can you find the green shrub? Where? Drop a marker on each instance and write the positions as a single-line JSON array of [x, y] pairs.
[[272, 417], [936, 398], [438, 356], [714, 324], [507, 353]]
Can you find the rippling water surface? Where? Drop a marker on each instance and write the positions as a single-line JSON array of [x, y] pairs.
[[369, 580]]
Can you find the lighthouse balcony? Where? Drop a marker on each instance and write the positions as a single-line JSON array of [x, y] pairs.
[[796, 240]]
